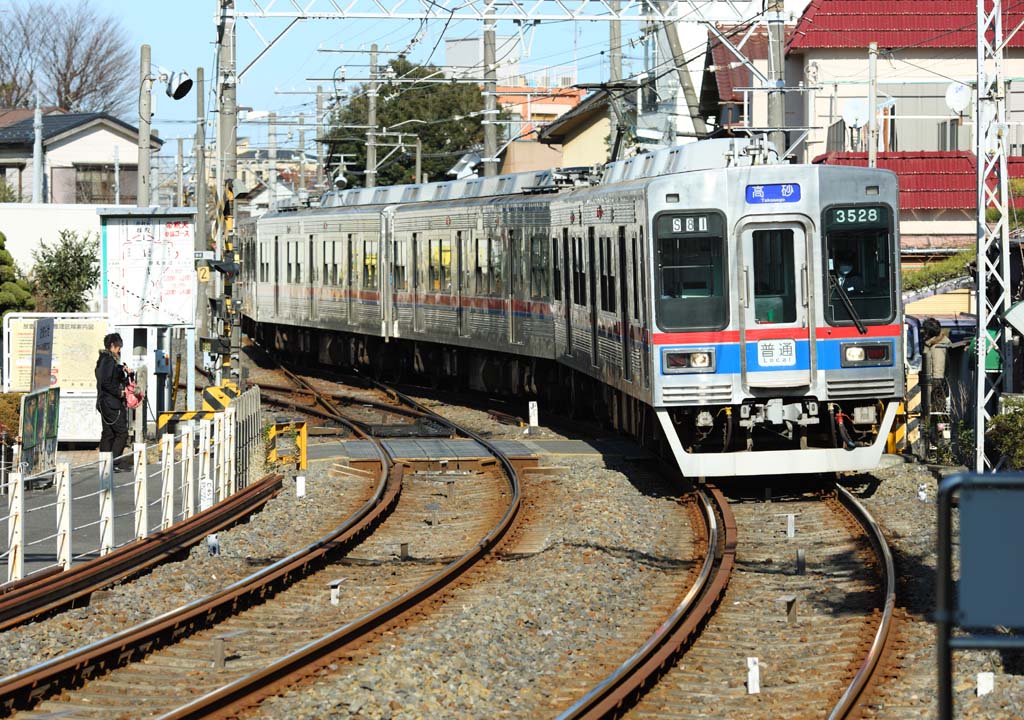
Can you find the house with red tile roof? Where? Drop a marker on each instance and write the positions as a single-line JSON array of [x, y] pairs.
[[926, 47]]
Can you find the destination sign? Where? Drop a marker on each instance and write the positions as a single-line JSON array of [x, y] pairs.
[[773, 193]]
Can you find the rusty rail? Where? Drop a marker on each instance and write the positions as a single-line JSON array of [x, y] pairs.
[[39, 595], [680, 628], [865, 673]]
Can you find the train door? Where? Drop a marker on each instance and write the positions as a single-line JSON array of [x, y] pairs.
[[515, 284], [311, 276], [592, 283], [624, 324], [568, 271], [418, 320], [775, 334]]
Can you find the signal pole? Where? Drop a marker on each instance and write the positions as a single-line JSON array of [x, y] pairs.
[[371, 120]]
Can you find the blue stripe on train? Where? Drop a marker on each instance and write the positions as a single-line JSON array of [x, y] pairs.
[[727, 355]]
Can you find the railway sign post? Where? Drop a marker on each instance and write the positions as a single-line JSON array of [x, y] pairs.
[[991, 570]]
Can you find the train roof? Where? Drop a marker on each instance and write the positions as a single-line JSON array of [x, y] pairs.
[[703, 155]]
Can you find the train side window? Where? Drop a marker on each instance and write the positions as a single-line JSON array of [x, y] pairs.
[[539, 275], [446, 266], [465, 264], [433, 265], [298, 261], [277, 261], [497, 257], [556, 267], [334, 263], [370, 264], [400, 262], [579, 279], [636, 278], [351, 274], [482, 284], [607, 270], [288, 250], [325, 276]]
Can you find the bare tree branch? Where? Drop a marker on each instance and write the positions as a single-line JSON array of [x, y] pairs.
[[81, 59]]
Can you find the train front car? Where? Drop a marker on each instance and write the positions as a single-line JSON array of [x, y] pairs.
[[777, 317]]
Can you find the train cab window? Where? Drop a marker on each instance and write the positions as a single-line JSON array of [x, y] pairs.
[[858, 252], [774, 277], [369, 264], [690, 282], [539, 276]]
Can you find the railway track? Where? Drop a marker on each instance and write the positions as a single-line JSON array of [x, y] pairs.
[[267, 655], [817, 660], [43, 594]]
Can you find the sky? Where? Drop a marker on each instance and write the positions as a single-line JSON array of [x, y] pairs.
[[182, 35]]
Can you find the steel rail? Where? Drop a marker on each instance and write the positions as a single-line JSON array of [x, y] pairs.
[[252, 688], [866, 671], [679, 628], [44, 593], [23, 689]]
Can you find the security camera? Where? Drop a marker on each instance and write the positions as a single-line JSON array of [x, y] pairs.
[[178, 85]]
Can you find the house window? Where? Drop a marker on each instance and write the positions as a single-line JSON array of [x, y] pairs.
[[96, 184]]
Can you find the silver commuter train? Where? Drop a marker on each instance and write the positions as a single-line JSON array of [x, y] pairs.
[[746, 313]]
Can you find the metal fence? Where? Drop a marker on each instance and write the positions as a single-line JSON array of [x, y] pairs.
[[83, 512]]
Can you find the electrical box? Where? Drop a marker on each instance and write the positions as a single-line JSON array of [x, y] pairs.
[[161, 363]]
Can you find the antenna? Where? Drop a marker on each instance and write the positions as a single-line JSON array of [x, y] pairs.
[[855, 112], [958, 97]]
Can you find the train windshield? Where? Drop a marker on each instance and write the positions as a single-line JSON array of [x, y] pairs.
[[858, 253], [690, 284]]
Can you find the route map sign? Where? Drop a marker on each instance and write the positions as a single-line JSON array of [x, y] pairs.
[[148, 266]]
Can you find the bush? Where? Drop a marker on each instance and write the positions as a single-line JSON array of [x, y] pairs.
[[1005, 432], [10, 415], [931, 274]]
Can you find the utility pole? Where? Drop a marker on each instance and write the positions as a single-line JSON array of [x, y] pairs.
[[302, 152], [490, 101], [419, 160], [142, 193], [227, 325], [272, 159], [873, 104], [993, 256], [181, 172], [671, 31], [776, 77], [614, 71], [202, 227], [319, 124], [371, 120]]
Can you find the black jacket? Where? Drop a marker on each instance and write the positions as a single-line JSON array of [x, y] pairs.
[[110, 383]]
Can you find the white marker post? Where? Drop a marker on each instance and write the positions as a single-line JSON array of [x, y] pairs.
[[300, 486], [986, 683], [753, 676]]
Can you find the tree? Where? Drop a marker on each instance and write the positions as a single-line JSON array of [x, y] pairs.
[[65, 273], [443, 143], [80, 59], [7, 193], [15, 292]]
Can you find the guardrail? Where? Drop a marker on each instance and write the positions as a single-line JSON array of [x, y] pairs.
[[183, 473]]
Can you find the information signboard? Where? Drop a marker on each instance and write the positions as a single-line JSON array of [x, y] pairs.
[[148, 268], [42, 355], [40, 419]]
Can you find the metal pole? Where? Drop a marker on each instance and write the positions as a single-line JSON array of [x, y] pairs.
[[873, 104], [117, 176], [319, 125], [419, 160], [615, 67], [302, 152], [227, 139], [37, 154], [776, 77], [371, 120], [490, 97], [202, 238], [142, 192], [272, 159], [181, 170]]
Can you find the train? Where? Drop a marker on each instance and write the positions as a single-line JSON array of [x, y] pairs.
[[743, 314]]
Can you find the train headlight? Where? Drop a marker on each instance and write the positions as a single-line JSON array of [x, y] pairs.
[[688, 361], [866, 354]]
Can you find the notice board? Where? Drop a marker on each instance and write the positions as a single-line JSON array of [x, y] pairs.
[[148, 268]]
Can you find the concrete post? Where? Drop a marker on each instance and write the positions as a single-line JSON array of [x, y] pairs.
[[166, 481], [16, 528], [141, 494], [142, 194], [62, 484]]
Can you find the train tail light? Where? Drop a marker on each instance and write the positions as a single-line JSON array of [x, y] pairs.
[[689, 361], [866, 354]]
